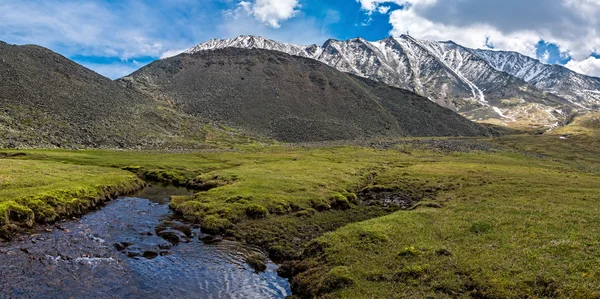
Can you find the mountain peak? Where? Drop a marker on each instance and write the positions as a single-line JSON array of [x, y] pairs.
[[448, 73]]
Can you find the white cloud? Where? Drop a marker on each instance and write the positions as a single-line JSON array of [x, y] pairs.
[[302, 31], [407, 21], [372, 5], [589, 66], [545, 57], [384, 9], [271, 12], [89, 32]]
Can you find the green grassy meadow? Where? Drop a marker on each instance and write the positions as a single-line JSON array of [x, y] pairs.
[[518, 219]]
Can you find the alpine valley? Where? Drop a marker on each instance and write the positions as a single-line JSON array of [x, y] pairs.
[[249, 168]]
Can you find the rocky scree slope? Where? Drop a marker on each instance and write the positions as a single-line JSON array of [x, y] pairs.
[[291, 98], [483, 85]]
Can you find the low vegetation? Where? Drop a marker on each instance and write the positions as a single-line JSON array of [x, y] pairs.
[[46, 191], [515, 216]]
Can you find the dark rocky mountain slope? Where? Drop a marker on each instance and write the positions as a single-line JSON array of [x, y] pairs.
[[291, 98], [47, 100]]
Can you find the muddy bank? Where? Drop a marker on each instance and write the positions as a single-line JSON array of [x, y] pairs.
[[134, 247]]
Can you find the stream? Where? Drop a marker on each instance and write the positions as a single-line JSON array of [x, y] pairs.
[[133, 247]]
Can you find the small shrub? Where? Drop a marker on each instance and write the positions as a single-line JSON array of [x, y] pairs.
[[256, 211], [337, 278], [481, 227]]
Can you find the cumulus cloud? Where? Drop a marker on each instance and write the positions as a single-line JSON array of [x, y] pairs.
[[589, 66], [407, 21], [373, 5], [514, 25], [271, 12], [383, 9], [545, 56], [302, 31]]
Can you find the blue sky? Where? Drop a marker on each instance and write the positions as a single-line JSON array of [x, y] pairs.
[[115, 37]]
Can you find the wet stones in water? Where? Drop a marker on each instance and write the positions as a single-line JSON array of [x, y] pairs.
[[175, 232], [173, 236], [150, 254], [122, 245], [208, 239]]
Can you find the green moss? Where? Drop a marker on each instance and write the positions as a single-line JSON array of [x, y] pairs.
[[132, 168], [214, 225], [167, 176], [255, 211], [337, 278], [339, 202], [320, 204], [45, 191], [352, 197], [306, 213], [13, 213], [279, 207], [373, 237], [410, 251], [480, 227], [256, 261]]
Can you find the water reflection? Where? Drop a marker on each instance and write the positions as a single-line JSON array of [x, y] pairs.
[[134, 247]]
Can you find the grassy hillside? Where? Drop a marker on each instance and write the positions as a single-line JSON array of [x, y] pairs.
[[48, 101], [404, 218]]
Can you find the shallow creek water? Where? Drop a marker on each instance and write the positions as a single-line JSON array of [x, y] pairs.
[[133, 247]]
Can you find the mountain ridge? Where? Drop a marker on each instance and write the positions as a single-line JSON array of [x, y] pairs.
[[292, 98], [453, 76]]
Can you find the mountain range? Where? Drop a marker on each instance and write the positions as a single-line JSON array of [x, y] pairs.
[[47, 100], [483, 85]]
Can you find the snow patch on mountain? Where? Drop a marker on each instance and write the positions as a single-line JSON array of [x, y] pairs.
[[449, 74]]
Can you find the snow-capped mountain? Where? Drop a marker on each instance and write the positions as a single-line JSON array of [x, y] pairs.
[[580, 89], [483, 85]]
